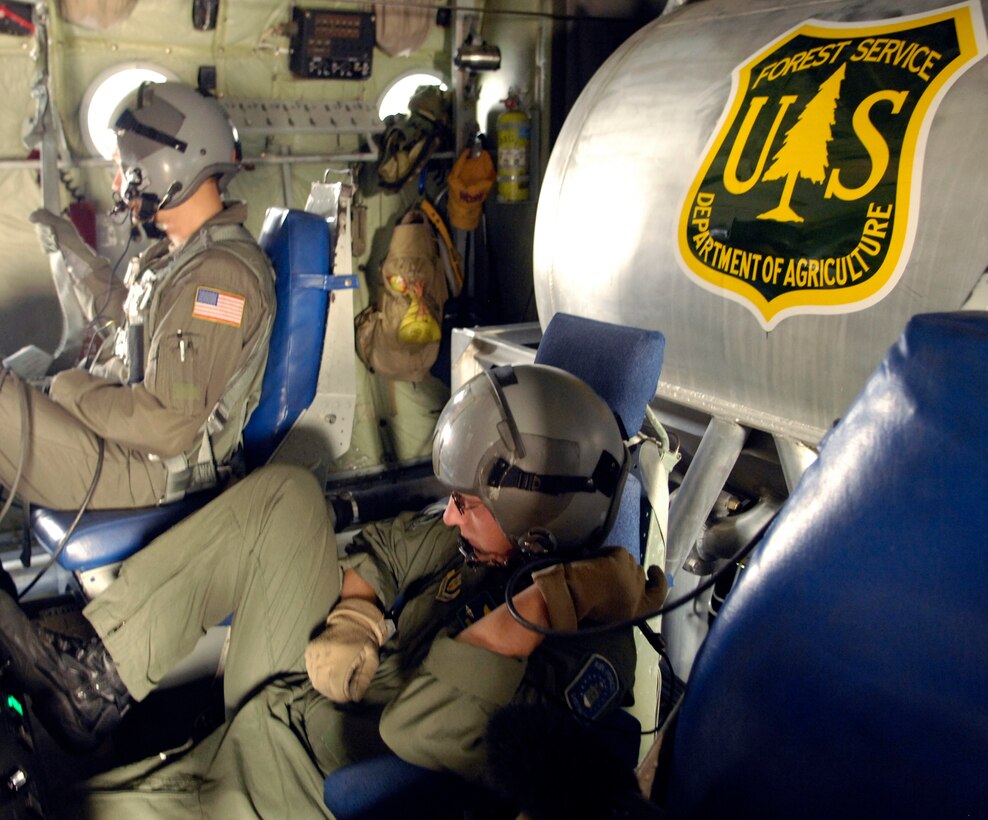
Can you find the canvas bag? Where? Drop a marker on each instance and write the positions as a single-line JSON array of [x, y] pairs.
[[409, 141], [399, 336]]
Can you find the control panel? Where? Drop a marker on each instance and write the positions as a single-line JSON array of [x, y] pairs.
[[20, 784], [332, 45]]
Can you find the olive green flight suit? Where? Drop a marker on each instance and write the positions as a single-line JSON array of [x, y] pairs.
[[190, 357], [265, 551]]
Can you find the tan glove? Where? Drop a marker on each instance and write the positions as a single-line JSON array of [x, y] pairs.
[[606, 589], [343, 659]]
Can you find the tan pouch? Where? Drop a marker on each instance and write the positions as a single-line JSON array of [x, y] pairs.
[[399, 336]]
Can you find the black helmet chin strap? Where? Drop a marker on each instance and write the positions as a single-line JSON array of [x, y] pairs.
[[605, 478], [147, 209], [149, 204]]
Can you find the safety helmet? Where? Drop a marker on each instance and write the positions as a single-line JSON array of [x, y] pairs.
[[170, 139], [542, 451]]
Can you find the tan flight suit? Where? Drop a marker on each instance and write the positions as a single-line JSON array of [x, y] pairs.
[[190, 357], [265, 551]]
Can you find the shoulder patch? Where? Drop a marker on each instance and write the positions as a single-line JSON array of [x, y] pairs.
[[219, 306], [593, 688], [450, 586]]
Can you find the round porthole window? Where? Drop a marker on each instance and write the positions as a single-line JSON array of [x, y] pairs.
[[395, 98], [105, 94]]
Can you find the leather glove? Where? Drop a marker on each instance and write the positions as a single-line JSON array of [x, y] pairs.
[[605, 589], [58, 235], [343, 659]]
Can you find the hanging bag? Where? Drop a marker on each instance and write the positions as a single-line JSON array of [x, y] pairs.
[[470, 182], [398, 337], [409, 141]]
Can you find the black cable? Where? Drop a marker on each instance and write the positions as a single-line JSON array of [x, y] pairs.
[[70, 186], [68, 533], [454, 9], [533, 566], [25, 438]]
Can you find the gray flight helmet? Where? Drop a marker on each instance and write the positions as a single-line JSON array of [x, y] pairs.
[[170, 139], [543, 452]]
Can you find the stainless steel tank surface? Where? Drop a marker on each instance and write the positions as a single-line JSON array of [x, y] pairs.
[[778, 188]]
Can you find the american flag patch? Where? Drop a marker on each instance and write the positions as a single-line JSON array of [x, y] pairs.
[[218, 306]]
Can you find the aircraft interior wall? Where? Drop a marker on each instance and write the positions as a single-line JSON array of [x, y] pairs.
[[248, 52], [635, 121]]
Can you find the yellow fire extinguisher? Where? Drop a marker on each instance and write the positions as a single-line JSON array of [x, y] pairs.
[[514, 129]]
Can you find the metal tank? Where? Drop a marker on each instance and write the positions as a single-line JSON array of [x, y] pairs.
[[777, 187], [702, 105]]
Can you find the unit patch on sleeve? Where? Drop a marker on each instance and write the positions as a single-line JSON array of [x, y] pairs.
[[450, 586], [593, 688], [218, 306], [807, 196]]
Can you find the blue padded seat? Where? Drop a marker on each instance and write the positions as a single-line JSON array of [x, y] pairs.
[[388, 788], [298, 244], [847, 673], [622, 364]]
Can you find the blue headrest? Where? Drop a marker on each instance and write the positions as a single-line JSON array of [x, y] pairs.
[[847, 674], [621, 363], [298, 244]]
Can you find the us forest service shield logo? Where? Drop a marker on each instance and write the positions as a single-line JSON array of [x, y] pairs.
[[807, 196]]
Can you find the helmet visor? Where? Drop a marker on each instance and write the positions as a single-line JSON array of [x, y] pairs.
[[153, 126], [475, 420]]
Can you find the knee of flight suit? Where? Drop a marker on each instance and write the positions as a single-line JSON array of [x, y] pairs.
[[295, 487]]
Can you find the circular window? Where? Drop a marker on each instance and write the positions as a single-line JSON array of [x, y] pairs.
[[104, 95], [395, 98]]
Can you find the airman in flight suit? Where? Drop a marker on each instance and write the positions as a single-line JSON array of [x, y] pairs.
[[418, 650], [178, 375]]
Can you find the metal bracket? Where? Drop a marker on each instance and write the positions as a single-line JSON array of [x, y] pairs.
[[323, 432]]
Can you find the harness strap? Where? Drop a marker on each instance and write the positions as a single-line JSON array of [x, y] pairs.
[[197, 469]]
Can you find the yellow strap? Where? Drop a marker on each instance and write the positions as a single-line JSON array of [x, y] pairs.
[[454, 258]]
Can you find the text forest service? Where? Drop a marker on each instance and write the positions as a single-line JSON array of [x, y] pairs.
[[806, 199]]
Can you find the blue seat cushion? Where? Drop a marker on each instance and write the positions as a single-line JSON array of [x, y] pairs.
[[847, 672], [388, 787], [621, 363], [107, 536]]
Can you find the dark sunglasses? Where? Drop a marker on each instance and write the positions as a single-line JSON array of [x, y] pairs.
[[462, 507]]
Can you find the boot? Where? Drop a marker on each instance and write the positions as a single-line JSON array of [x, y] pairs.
[[74, 686]]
